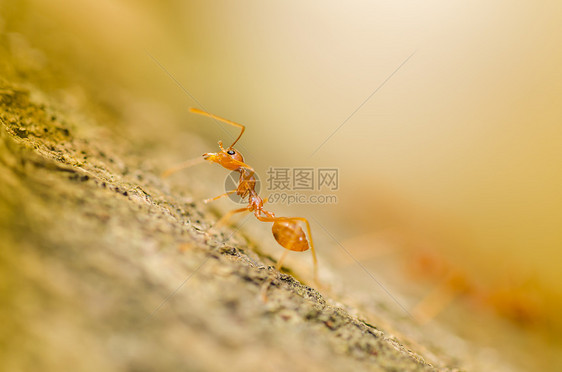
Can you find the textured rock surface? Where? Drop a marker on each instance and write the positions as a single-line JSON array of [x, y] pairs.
[[103, 267]]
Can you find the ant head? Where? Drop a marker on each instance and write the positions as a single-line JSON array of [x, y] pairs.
[[232, 153], [228, 158]]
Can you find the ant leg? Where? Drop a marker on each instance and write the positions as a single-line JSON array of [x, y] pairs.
[[186, 164], [218, 197], [281, 259], [227, 216]]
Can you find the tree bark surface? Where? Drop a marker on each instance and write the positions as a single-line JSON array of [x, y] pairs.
[[104, 268]]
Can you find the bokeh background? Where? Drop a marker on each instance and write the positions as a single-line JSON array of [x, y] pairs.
[[452, 169]]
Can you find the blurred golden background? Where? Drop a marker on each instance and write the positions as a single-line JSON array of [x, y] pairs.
[[458, 155]]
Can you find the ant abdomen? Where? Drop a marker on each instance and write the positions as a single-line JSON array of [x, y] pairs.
[[290, 235]]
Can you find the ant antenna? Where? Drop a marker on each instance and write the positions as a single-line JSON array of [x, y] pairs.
[[204, 113]]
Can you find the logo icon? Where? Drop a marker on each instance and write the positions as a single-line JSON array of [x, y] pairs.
[[231, 183]]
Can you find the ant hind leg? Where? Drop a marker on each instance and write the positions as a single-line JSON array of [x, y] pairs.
[[281, 259]]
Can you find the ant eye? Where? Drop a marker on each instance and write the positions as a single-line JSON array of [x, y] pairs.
[[231, 152]]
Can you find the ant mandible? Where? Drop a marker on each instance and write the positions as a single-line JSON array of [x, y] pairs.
[[286, 230]]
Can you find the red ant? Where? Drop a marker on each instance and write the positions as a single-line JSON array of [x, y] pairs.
[[286, 230]]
